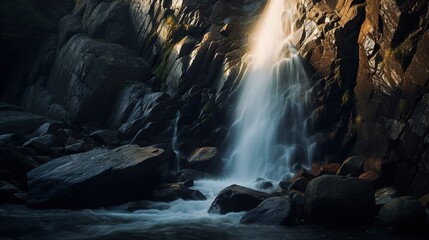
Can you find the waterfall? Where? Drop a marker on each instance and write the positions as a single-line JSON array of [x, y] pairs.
[[174, 139], [269, 132]]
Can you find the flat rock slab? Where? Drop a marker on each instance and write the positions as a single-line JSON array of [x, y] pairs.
[[97, 178]]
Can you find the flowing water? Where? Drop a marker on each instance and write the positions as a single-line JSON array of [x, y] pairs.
[[268, 133], [270, 128]]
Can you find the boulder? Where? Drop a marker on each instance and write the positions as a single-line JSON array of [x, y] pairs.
[[272, 211], [331, 199], [97, 178], [205, 159], [403, 213], [174, 191], [237, 199], [352, 166]]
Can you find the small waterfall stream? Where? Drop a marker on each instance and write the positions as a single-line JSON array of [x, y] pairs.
[[269, 132]]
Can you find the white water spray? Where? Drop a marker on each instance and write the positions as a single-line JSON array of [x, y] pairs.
[[269, 131], [174, 139]]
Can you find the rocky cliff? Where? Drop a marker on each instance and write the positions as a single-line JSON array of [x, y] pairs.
[[138, 67]]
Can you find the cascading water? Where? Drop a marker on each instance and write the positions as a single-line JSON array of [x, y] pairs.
[[269, 131]]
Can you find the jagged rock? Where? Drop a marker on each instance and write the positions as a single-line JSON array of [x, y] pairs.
[[100, 177], [403, 213], [86, 73], [20, 122], [125, 102], [342, 200], [109, 21], [330, 168], [153, 107], [352, 166], [272, 211], [205, 159], [175, 191], [236, 199]]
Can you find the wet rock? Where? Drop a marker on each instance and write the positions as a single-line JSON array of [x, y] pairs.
[[51, 128], [403, 213], [106, 137], [20, 122], [124, 104], [374, 178], [153, 107], [330, 168], [331, 199], [100, 177], [264, 185], [299, 184], [43, 143], [385, 195], [352, 166], [184, 175], [174, 191], [205, 159], [236, 199], [272, 211], [77, 147]]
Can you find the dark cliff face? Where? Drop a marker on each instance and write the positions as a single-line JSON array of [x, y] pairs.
[[132, 65]]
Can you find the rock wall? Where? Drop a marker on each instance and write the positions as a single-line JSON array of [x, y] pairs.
[[372, 99], [132, 65]]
